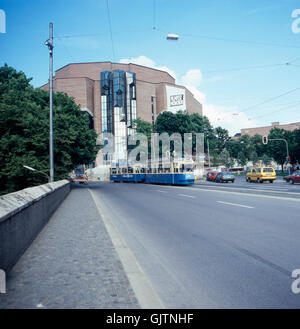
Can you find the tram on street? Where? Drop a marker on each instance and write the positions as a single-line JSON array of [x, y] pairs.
[[176, 173]]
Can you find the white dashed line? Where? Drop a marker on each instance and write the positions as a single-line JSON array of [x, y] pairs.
[[235, 204], [187, 196], [162, 191]]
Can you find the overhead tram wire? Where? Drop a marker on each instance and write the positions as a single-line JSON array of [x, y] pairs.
[[269, 100], [205, 72], [272, 112], [262, 43], [77, 36], [275, 106], [66, 49], [245, 68]]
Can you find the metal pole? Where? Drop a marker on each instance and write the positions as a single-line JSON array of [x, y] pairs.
[[287, 150], [51, 102], [286, 143], [208, 153]]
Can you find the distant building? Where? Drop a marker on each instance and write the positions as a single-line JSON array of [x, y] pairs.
[[264, 131], [115, 94], [237, 136]]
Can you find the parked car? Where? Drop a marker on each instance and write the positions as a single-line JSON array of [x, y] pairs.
[[261, 174], [211, 176], [294, 178], [225, 177], [249, 172]]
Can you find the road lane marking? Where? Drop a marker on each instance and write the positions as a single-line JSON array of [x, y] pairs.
[[142, 287], [187, 196], [162, 191], [236, 192], [235, 204], [224, 188]]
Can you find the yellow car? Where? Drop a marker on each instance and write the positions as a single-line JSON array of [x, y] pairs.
[[261, 174], [249, 173]]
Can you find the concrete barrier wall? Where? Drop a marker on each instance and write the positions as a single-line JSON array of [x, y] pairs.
[[23, 215]]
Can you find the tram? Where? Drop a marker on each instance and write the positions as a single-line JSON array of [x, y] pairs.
[[177, 173]]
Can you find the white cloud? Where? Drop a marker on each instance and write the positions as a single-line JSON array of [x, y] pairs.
[[141, 60], [192, 78], [199, 95], [146, 61], [228, 118]]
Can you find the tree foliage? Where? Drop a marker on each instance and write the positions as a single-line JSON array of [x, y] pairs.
[[24, 133], [225, 159], [242, 149], [277, 149], [241, 159]]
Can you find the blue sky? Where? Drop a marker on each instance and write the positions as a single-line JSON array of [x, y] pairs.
[[217, 39]]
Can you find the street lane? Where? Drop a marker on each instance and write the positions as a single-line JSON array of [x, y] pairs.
[[199, 251], [280, 185]]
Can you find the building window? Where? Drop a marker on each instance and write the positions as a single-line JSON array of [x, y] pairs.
[[152, 109], [118, 107]]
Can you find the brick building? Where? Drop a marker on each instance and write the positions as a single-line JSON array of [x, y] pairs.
[[264, 131], [115, 94]]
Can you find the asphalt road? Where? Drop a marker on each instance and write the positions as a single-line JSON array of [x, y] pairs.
[[279, 185], [206, 248], [279, 188]]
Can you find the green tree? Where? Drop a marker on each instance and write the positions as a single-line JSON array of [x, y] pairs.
[[257, 145], [24, 133], [201, 124], [295, 148], [221, 138], [266, 159], [253, 156], [234, 147], [170, 123], [142, 127], [277, 149], [225, 159], [241, 159], [215, 159]]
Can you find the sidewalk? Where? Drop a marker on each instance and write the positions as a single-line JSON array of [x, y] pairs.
[[71, 264]]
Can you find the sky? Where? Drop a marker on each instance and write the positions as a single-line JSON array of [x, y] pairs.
[[240, 58]]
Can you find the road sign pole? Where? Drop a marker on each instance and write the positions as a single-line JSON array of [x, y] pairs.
[[286, 143]]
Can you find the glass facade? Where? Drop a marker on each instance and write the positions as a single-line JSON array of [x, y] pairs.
[[118, 108]]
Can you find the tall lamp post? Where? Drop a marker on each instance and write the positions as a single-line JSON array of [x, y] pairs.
[[208, 151], [38, 171], [49, 44]]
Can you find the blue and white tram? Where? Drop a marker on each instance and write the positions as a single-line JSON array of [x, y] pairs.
[[178, 173], [128, 174]]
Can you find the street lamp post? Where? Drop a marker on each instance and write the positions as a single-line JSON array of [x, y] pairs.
[[49, 44], [35, 170], [208, 153]]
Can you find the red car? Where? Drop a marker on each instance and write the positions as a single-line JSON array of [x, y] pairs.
[[294, 178], [211, 176]]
